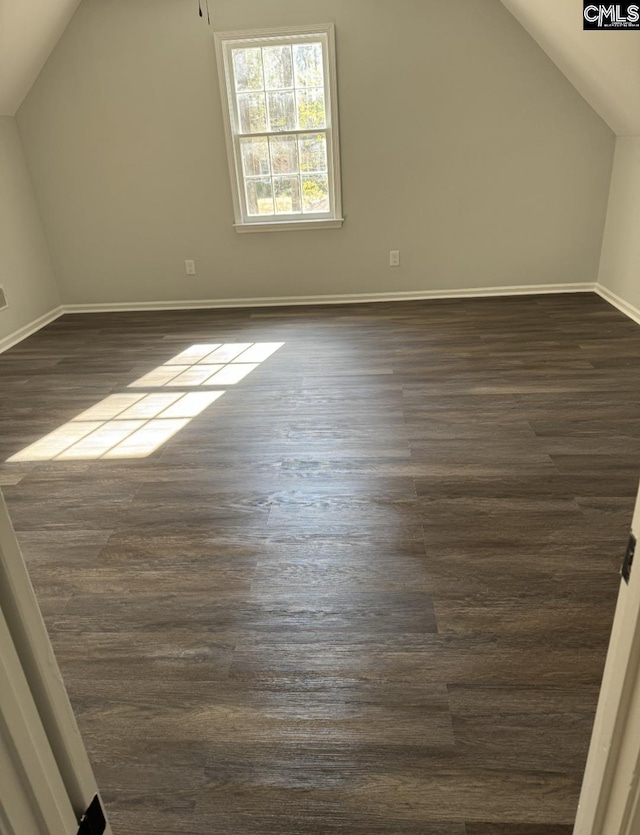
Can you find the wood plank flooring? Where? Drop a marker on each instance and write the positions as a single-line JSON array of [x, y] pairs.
[[367, 592]]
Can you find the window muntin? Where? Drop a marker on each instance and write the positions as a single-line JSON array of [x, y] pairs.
[[282, 126]]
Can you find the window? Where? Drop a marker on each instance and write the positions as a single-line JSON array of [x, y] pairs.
[[281, 117]]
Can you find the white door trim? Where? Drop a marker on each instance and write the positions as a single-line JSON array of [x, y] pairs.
[[32, 794], [28, 667], [610, 798]]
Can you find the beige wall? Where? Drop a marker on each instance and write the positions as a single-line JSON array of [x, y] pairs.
[[25, 267], [462, 145], [620, 265]]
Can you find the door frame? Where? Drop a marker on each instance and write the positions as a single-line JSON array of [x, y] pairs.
[[33, 796], [39, 737], [610, 797]]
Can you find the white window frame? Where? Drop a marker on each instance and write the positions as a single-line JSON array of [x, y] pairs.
[[225, 42]]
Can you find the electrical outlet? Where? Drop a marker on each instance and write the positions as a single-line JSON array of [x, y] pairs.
[[190, 267], [394, 258]]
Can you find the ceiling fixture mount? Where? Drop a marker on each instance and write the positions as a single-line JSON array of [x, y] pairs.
[[201, 13]]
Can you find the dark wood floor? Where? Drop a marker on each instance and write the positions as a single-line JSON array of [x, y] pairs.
[[366, 592]]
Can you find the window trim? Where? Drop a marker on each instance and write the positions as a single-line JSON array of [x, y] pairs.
[[224, 42]]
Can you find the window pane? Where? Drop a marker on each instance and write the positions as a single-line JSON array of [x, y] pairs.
[[278, 67], [284, 156], [315, 193], [307, 60], [247, 69], [278, 90], [311, 112], [287, 195], [252, 110], [259, 197], [282, 111], [255, 157], [313, 153]]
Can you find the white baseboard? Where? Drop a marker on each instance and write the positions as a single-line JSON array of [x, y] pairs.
[[289, 301], [624, 307], [31, 328], [357, 298]]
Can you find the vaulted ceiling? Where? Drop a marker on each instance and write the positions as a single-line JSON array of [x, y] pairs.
[[29, 30], [603, 66]]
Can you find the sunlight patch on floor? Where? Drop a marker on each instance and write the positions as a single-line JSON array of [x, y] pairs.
[[120, 426], [209, 365], [133, 425]]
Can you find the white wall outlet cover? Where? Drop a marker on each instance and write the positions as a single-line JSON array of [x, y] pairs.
[[190, 267], [394, 258]]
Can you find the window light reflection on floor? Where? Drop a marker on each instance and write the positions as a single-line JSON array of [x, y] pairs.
[[120, 426], [209, 365], [133, 425]]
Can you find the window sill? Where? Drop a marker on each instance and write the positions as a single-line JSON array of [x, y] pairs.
[[290, 225]]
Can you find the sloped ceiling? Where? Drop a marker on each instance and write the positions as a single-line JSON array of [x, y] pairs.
[[603, 66], [29, 30]]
